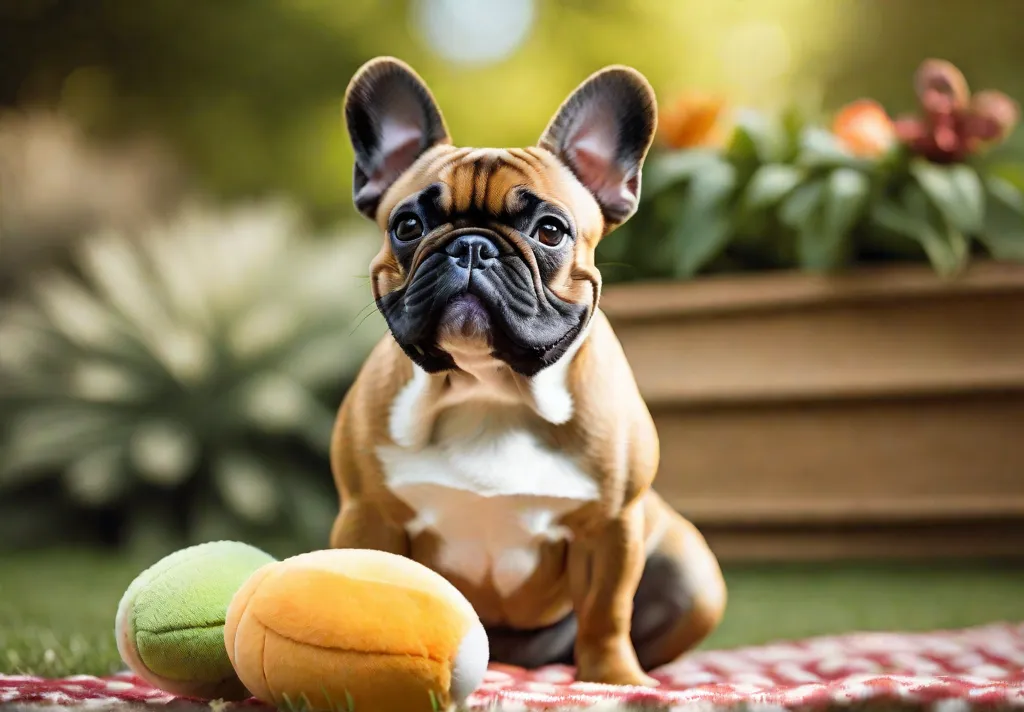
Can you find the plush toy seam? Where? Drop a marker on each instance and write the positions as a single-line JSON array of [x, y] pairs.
[[169, 563], [202, 626], [263, 658], [349, 650]]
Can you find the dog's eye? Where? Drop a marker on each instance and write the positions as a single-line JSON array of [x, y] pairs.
[[551, 232], [407, 227]]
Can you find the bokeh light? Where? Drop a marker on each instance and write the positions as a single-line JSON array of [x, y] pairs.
[[474, 31]]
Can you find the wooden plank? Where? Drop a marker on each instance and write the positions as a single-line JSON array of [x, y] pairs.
[[883, 349], [771, 291], [815, 510], [896, 460], [992, 540]]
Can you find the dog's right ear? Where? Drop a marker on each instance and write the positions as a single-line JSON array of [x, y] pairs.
[[392, 120]]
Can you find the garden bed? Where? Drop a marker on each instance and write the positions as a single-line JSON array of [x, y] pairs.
[[875, 413]]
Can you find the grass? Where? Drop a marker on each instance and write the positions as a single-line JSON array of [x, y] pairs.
[[57, 609], [57, 612]]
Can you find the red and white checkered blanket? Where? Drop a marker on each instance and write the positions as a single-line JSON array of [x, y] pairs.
[[983, 667]]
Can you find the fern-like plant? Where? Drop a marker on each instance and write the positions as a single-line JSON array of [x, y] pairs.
[[181, 385]]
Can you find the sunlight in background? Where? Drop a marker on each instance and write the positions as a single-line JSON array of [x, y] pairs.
[[757, 54], [756, 57], [473, 31], [499, 70], [251, 103]]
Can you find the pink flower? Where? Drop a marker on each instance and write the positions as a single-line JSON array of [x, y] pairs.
[[954, 124]]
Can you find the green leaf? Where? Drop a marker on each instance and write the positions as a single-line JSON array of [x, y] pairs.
[[1004, 221], [945, 246], [703, 227], [794, 120], [821, 149], [821, 241], [847, 194], [799, 207], [1012, 172], [956, 191], [770, 184], [675, 167], [969, 188], [756, 137], [1006, 192]]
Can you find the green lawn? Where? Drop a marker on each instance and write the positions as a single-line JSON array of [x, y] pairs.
[[57, 610]]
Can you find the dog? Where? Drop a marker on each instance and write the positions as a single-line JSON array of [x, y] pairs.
[[496, 433]]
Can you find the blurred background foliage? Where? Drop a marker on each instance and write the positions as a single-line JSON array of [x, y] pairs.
[[247, 93], [181, 386], [119, 117]]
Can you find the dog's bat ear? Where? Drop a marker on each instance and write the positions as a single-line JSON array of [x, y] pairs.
[[602, 132], [392, 120]]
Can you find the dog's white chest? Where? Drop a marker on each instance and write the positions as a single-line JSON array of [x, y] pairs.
[[491, 490]]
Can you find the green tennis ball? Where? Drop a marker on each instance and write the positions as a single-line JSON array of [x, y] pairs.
[[170, 622]]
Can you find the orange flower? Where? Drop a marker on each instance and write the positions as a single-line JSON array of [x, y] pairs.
[[692, 120], [864, 129]]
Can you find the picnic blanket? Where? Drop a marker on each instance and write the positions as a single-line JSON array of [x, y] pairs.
[[975, 668]]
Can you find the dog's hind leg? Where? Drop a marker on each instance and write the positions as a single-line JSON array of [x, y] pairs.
[[529, 649], [679, 601], [681, 596]]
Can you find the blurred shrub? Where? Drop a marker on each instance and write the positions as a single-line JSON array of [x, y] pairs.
[[785, 193], [181, 385]]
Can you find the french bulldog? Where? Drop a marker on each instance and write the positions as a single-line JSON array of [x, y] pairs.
[[496, 433]]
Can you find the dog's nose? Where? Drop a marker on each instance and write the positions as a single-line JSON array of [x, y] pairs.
[[472, 251]]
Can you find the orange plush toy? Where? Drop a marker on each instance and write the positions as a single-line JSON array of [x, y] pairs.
[[354, 629]]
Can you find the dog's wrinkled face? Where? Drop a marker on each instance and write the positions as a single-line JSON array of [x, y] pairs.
[[493, 249]]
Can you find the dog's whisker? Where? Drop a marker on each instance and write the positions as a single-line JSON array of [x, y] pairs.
[[360, 323]]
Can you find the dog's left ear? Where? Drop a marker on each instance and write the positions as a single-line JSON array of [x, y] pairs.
[[392, 120], [602, 133]]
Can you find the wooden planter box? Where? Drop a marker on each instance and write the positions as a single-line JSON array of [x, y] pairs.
[[880, 413]]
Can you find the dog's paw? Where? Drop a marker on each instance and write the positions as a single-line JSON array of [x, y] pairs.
[[615, 674], [637, 679]]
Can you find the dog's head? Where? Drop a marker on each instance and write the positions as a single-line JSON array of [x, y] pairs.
[[493, 249]]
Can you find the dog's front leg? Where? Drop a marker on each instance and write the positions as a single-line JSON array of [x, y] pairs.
[[604, 571], [362, 526]]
